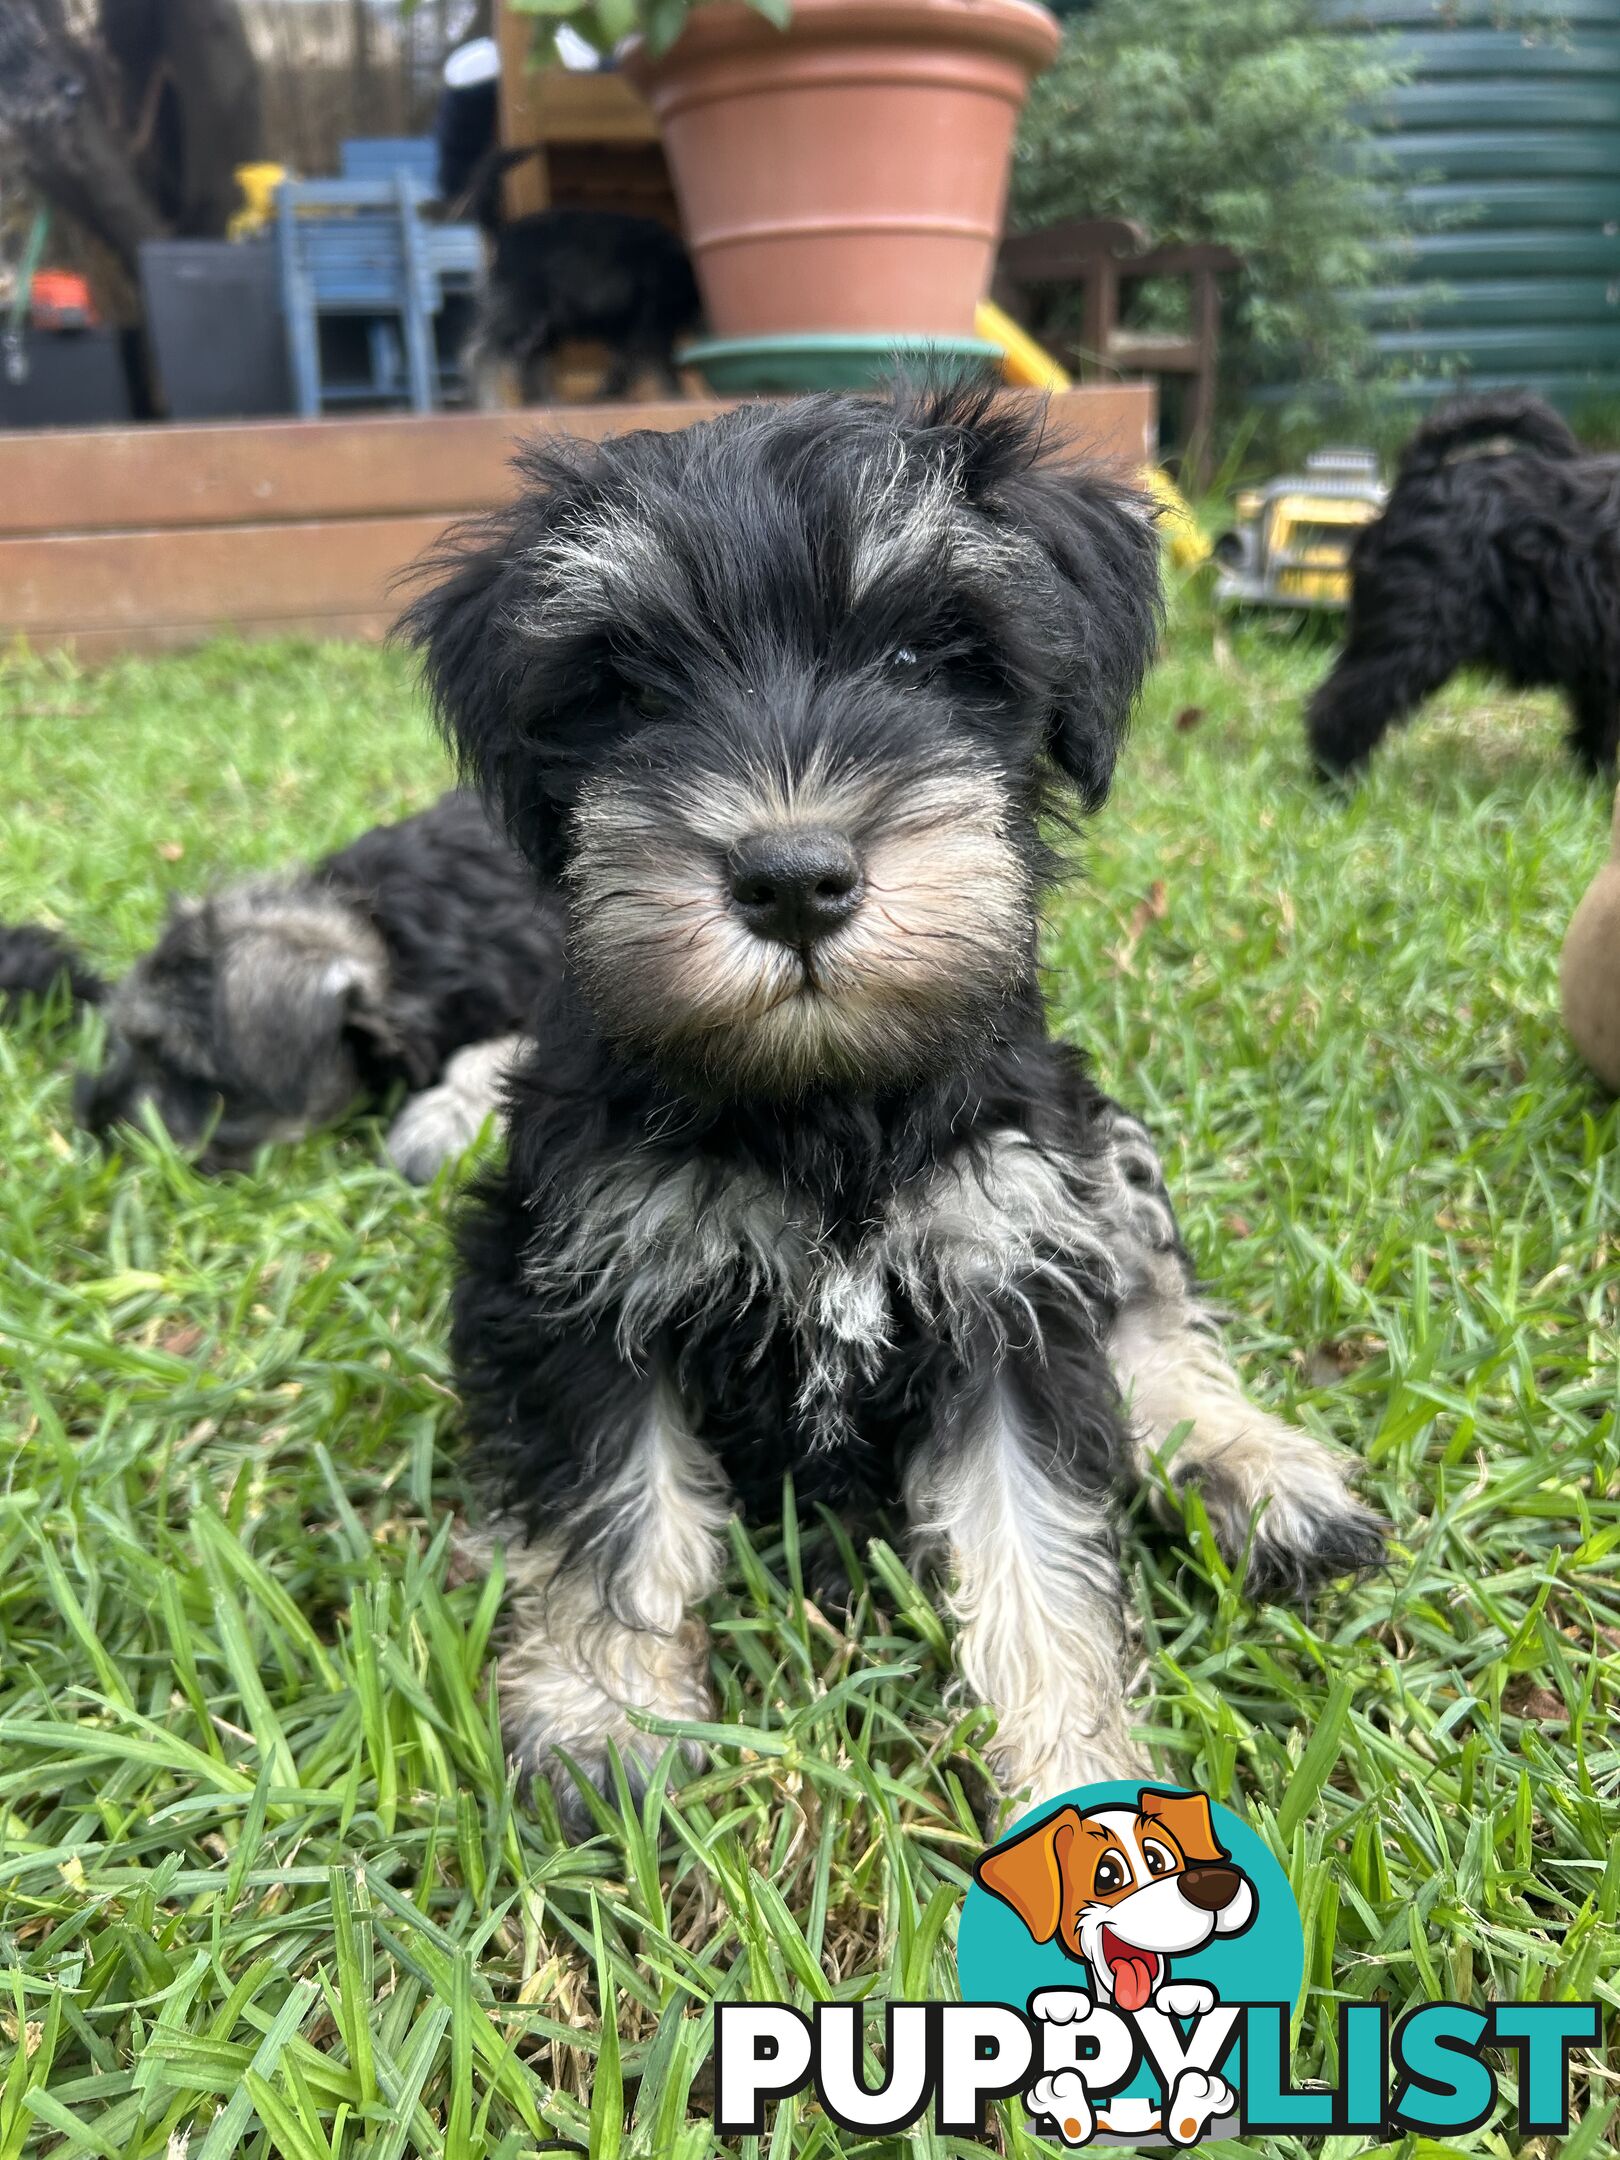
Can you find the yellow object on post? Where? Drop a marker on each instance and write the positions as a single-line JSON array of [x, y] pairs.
[[258, 184], [1188, 543]]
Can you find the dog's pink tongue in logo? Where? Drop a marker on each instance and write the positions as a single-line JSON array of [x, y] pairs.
[[1132, 1971]]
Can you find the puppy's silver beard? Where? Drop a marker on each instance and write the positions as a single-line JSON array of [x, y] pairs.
[[941, 937]]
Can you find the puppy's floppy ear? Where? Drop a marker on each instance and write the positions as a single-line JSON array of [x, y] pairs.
[[1187, 1818], [1099, 536], [1096, 615], [462, 625], [1026, 1872], [467, 624]]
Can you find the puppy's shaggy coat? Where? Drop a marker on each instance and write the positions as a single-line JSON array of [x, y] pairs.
[[1499, 547], [271, 1008], [801, 1181]]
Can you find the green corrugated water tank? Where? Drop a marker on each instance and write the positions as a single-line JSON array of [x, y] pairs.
[[1505, 144]]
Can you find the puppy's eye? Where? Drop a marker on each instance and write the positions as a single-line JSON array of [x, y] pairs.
[[1110, 1876], [1158, 1860], [903, 661], [646, 703]]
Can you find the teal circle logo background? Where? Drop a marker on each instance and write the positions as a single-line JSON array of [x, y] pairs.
[[997, 1959]]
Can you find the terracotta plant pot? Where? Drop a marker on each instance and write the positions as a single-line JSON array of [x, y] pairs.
[[848, 173]]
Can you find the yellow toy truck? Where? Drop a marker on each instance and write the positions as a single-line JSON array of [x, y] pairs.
[[1290, 547]]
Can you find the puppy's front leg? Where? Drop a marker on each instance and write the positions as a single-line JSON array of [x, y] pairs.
[[600, 1619], [1011, 1496], [1270, 1489], [443, 1121]]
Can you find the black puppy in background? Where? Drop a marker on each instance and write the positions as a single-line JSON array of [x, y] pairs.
[[801, 1181], [598, 275], [1499, 547], [410, 957]]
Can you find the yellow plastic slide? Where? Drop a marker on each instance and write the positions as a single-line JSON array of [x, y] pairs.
[[1022, 360], [1032, 367]]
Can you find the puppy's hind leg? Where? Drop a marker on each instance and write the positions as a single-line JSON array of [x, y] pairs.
[[1258, 1475], [1255, 1471], [483, 368], [1011, 1497], [1594, 734]]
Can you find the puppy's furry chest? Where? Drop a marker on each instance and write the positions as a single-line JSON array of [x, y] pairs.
[[704, 1264]]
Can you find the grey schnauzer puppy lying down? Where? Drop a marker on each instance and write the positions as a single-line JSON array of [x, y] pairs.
[[411, 957], [800, 1180]]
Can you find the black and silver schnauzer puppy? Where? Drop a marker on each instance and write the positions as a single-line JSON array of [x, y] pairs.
[[1499, 548], [413, 956], [801, 1181]]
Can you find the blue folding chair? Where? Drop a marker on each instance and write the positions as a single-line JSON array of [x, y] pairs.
[[454, 253], [379, 157], [360, 248]]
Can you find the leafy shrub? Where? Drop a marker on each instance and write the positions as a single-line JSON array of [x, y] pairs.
[[1232, 121]]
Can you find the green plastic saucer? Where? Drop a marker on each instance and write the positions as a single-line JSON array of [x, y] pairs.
[[829, 360]]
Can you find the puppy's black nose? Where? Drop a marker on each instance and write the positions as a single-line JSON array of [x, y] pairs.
[[1211, 1889], [796, 885]]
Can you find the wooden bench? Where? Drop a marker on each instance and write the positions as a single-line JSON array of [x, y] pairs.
[[1104, 257], [594, 140]]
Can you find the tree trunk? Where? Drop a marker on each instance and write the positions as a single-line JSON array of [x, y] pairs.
[[135, 131], [216, 81], [52, 107]]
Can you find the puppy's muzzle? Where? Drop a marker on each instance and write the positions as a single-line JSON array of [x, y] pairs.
[[1211, 1889], [795, 885]]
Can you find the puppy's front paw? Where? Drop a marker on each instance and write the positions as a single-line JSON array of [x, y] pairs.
[[1310, 1546], [642, 1756], [432, 1129], [442, 1122], [556, 1703], [1279, 1494]]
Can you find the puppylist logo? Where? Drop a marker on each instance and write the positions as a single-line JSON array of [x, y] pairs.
[[1136, 1932], [1130, 1958]]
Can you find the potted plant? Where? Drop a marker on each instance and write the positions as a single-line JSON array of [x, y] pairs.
[[841, 168]]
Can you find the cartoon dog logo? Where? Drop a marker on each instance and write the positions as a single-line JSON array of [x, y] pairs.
[[1123, 1890]]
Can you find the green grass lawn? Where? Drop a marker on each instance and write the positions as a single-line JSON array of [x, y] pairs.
[[263, 1882]]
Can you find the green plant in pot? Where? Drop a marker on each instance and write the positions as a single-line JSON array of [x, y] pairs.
[[841, 168]]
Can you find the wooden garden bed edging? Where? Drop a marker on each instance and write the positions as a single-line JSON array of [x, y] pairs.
[[142, 539]]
